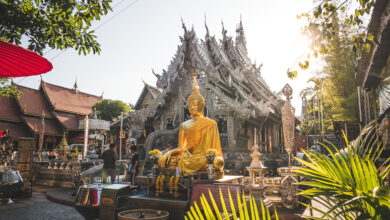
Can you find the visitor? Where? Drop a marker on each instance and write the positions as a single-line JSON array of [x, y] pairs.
[[133, 164], [109, 157]]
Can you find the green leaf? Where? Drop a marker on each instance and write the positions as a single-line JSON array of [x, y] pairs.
[[367, 47], [215, 206]]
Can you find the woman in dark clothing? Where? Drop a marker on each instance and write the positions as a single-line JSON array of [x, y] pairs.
[[133, 164]]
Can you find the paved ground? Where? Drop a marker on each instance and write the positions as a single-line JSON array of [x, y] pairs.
[[37, 208]]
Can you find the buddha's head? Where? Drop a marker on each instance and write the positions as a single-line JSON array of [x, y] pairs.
[[195, 101]]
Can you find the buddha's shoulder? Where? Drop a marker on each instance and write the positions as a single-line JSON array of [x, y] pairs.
[[188, 122], [209, 120]]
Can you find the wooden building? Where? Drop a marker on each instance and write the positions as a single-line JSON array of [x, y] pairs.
[[373, 71], [59, 109]]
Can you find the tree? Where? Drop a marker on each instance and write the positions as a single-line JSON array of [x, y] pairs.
[[109, 109], [7, 89], [312, 96], [334, 89], [50, 23], [341, 100], [321, 26]]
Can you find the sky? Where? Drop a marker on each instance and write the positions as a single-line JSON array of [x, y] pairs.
[[139, 35]]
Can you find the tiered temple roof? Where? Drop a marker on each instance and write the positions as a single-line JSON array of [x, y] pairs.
[[61, 108], [32, 102], [69, 100], [225, 64]]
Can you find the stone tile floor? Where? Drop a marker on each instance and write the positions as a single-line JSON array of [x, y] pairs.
[[37, 208]]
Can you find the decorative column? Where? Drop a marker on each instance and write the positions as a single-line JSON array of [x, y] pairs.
[[86, 127], [288, 120]]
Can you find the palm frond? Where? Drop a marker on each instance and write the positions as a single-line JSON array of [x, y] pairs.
[[245, 212], [347, 182]]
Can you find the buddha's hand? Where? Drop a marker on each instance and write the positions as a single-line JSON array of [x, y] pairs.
[[175, 152]]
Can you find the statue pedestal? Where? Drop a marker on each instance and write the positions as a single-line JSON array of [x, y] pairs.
[[288, 186], [177, 207]]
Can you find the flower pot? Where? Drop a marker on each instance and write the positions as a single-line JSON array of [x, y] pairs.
[[210, 172]]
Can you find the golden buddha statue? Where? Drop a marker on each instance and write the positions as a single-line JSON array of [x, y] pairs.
[[196, 136]]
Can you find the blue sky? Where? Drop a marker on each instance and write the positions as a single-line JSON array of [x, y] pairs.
[[146, 35]]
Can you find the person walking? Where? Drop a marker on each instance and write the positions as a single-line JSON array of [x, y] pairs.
[[133, 164], [109, 157]]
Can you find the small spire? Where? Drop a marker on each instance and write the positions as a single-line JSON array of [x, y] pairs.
[[223, 29], [207, 28], [183, 25], [75, 86], [101, 96], [158, 76]]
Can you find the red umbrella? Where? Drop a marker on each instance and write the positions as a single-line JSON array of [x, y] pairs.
[[15, 61]]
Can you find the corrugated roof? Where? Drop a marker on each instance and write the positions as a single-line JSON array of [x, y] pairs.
[[68, 120], [35, 124], [370, 64], [32, 102], [67, 100], [9, 111]]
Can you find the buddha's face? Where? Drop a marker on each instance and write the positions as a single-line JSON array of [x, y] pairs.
[[196, 108]]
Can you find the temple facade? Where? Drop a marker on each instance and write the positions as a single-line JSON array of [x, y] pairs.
[[236, 95]]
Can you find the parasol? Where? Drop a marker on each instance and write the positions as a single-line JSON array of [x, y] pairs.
[[15, 61]]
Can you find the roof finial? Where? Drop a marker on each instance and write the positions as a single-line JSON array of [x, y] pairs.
[[158, 76], [183, 25], [223, 29], [101, 96], [207, 28], [75, 86]]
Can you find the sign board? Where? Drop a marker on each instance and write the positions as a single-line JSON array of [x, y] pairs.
[[79, 157], [199, 189], [95, 124]]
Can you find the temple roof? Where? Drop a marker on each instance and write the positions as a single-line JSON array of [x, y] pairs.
[[68, 120], [32, 102], [226, 67], [69, 100], [9, 111], [370, 65], [147, 89], [35, 124]]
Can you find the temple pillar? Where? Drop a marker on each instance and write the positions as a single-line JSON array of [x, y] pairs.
[[270, 139], [265, 138], [261, 138], [162, 122], [230, 131]]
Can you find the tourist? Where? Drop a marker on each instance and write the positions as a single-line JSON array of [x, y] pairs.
[[109, 157], [133, 164]]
